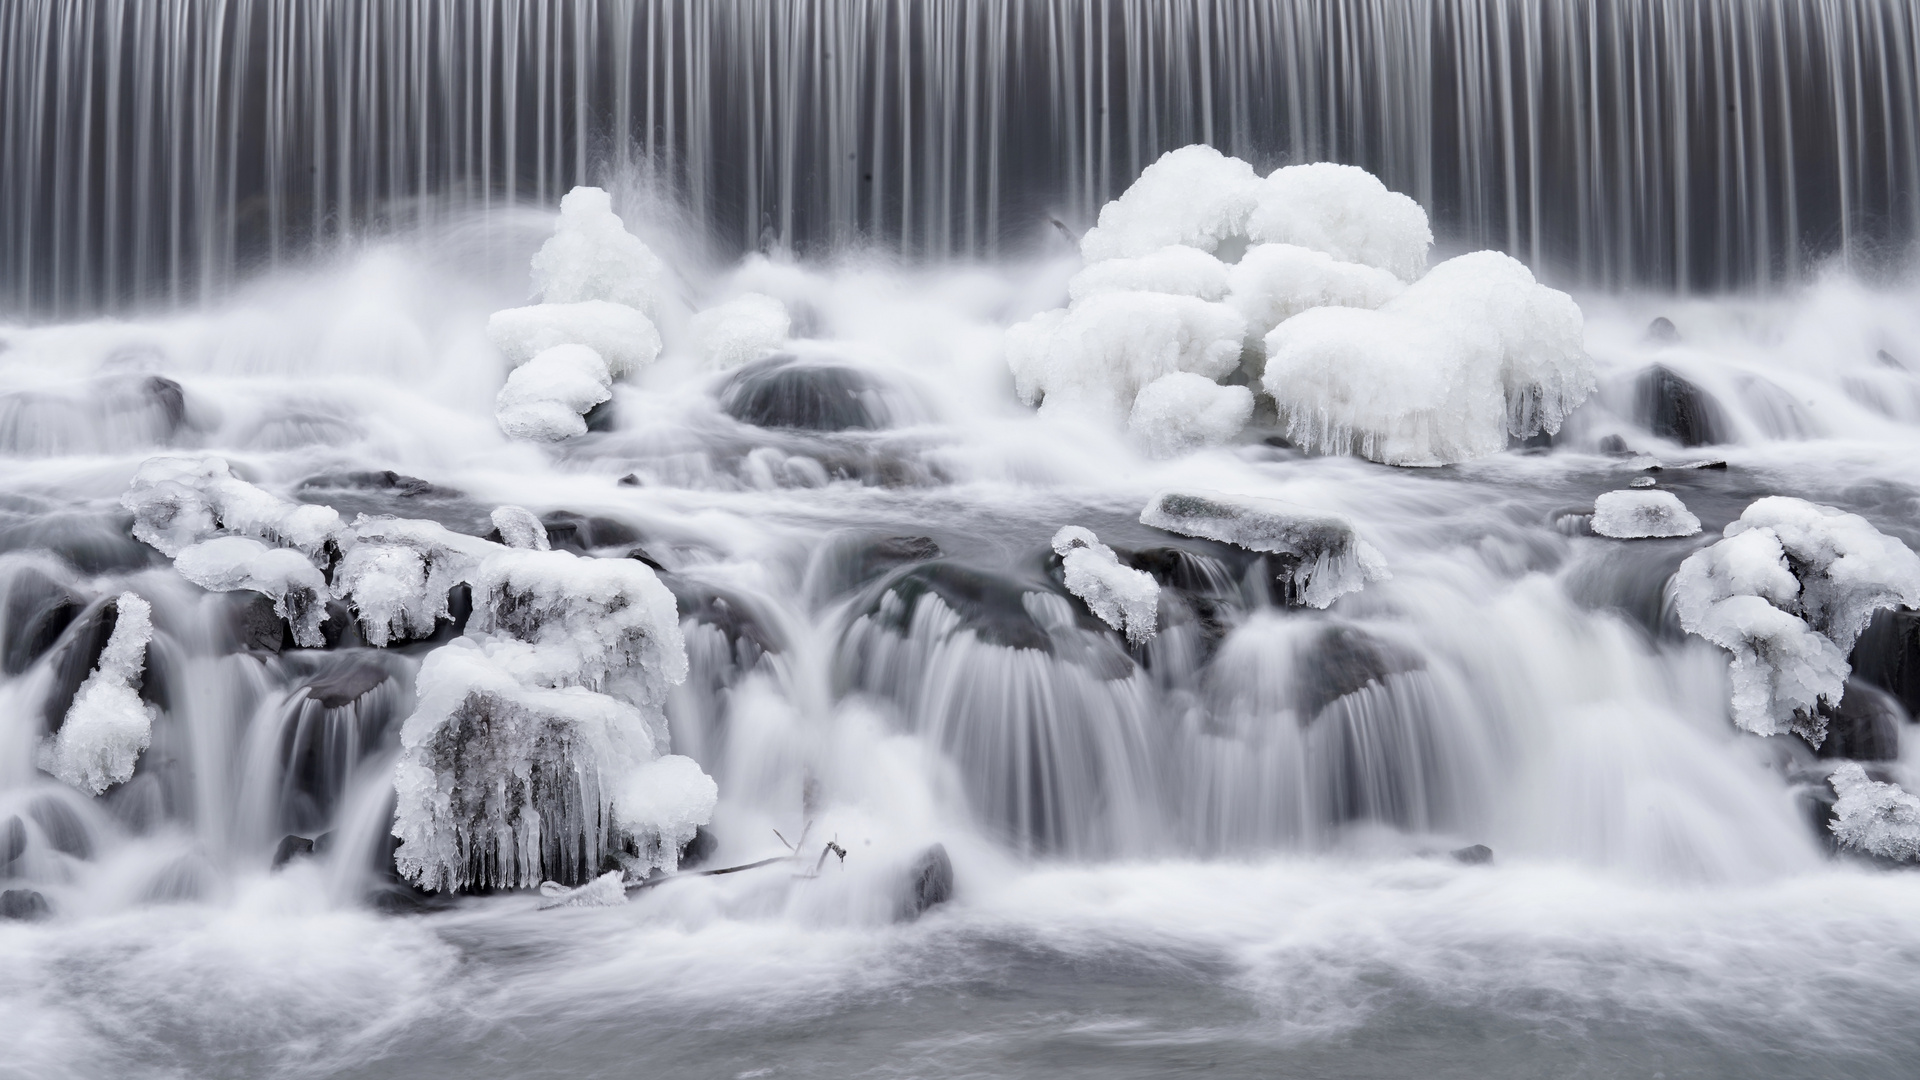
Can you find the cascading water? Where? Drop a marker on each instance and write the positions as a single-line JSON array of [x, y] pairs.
[[1209, 630]]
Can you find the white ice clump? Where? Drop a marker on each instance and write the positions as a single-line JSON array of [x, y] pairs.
[[1632, 515], [180, 501], [1195, 196], [520, 529], [1444, 372], [397, 572], [1122, 597], [1274, 282], [108, 726], [1095, 357], [1176, 271], [1182, 412], [625, 339], [537, 751], [592, 256], [546, 399], [228, 563], [1345, 211], [607, 890], [1879, 819], [1787, 592], [1321, 555], [749, 327]]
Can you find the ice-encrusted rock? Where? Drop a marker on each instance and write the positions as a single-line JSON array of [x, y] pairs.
[[1637, 514], [520, 529], [1787, 591], [547, 398], [1093, 358], [1194, 196], [1344, 211], [625, 339], [592, 256], [397, 574], [1274, 282], [180, 501], [1182, 412], [749, 327], [537, 751], [1446, 371], [108, 726], [299, 591], [1124, 598], [1322, 555], [607, 890], [1877, 818], [1176, 271]]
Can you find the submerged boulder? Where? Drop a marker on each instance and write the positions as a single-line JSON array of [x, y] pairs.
[[805, 395], [929, 883], [1671, 407]]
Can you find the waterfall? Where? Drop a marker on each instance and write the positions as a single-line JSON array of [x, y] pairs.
[[155, 150]]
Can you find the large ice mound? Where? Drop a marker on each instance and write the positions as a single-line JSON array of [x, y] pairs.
[[1639, 513], [749, 327], [1344, 211], [547, 398], [592, 256], [1879, 819], [1094, 358], [1472, 353], [1274, 282], [108, 726], [1122, 597], [624, 339], [1195, 196], [1321, 556], [1182, 412], [1787, 592], [538, 751]]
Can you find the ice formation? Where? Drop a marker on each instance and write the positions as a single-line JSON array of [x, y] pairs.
[[1446, 371], [1322, 556], [397, 573], [1344, 211], [748, 327], [1094, 358], [1176, 271], [520, 529], [1787, 591], [1274, 282], [1194, 196], [179, 501], [546, 399], [592, 256], [1122, 597], [1182, 412], [1879, 819], [108, 726], [607, 890], [298, 589], [537, 749], [625, 339], [1634, 514]]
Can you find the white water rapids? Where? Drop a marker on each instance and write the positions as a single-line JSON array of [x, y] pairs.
[[1208, 854]]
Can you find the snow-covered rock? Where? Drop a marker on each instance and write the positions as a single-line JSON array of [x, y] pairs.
[[1274, 282], [1321, 555], [1176, 271], [1094, 358], [1344, 211], [520, 529], [1635, 514], [1194, 196], [1879, 819], [180, 501], [1181, 412], [1120, 596], [547, 398], [624, 339], [749, 327], [1787, 592], [592, 256], [397, 573], [108, 726], [1446, 371], [299, 591]]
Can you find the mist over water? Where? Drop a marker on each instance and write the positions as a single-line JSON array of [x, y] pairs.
[[1242, 847]]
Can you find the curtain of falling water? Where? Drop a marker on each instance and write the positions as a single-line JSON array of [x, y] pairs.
[[155, 149]]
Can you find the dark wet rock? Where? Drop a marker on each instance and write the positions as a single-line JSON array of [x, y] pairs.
[[1673, 408], [169, 398], [1345, 659], [853, 560], [348, 679], [992, 606], [24, 905], [806, 395], [378, 492], [1661, 331], [568, 531], [602, 417], [291, 847], [892, 551], [61, 826], [344, 710], [929, 883], [639, 555], [91, 542], [254, 624], [699, 850], [1887, 655], [38, 610], [76, 656], [1632, 580], [631, 480], [1865, 726], [13, 844], [748, 636], [1614, 445], [1474, 855]]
